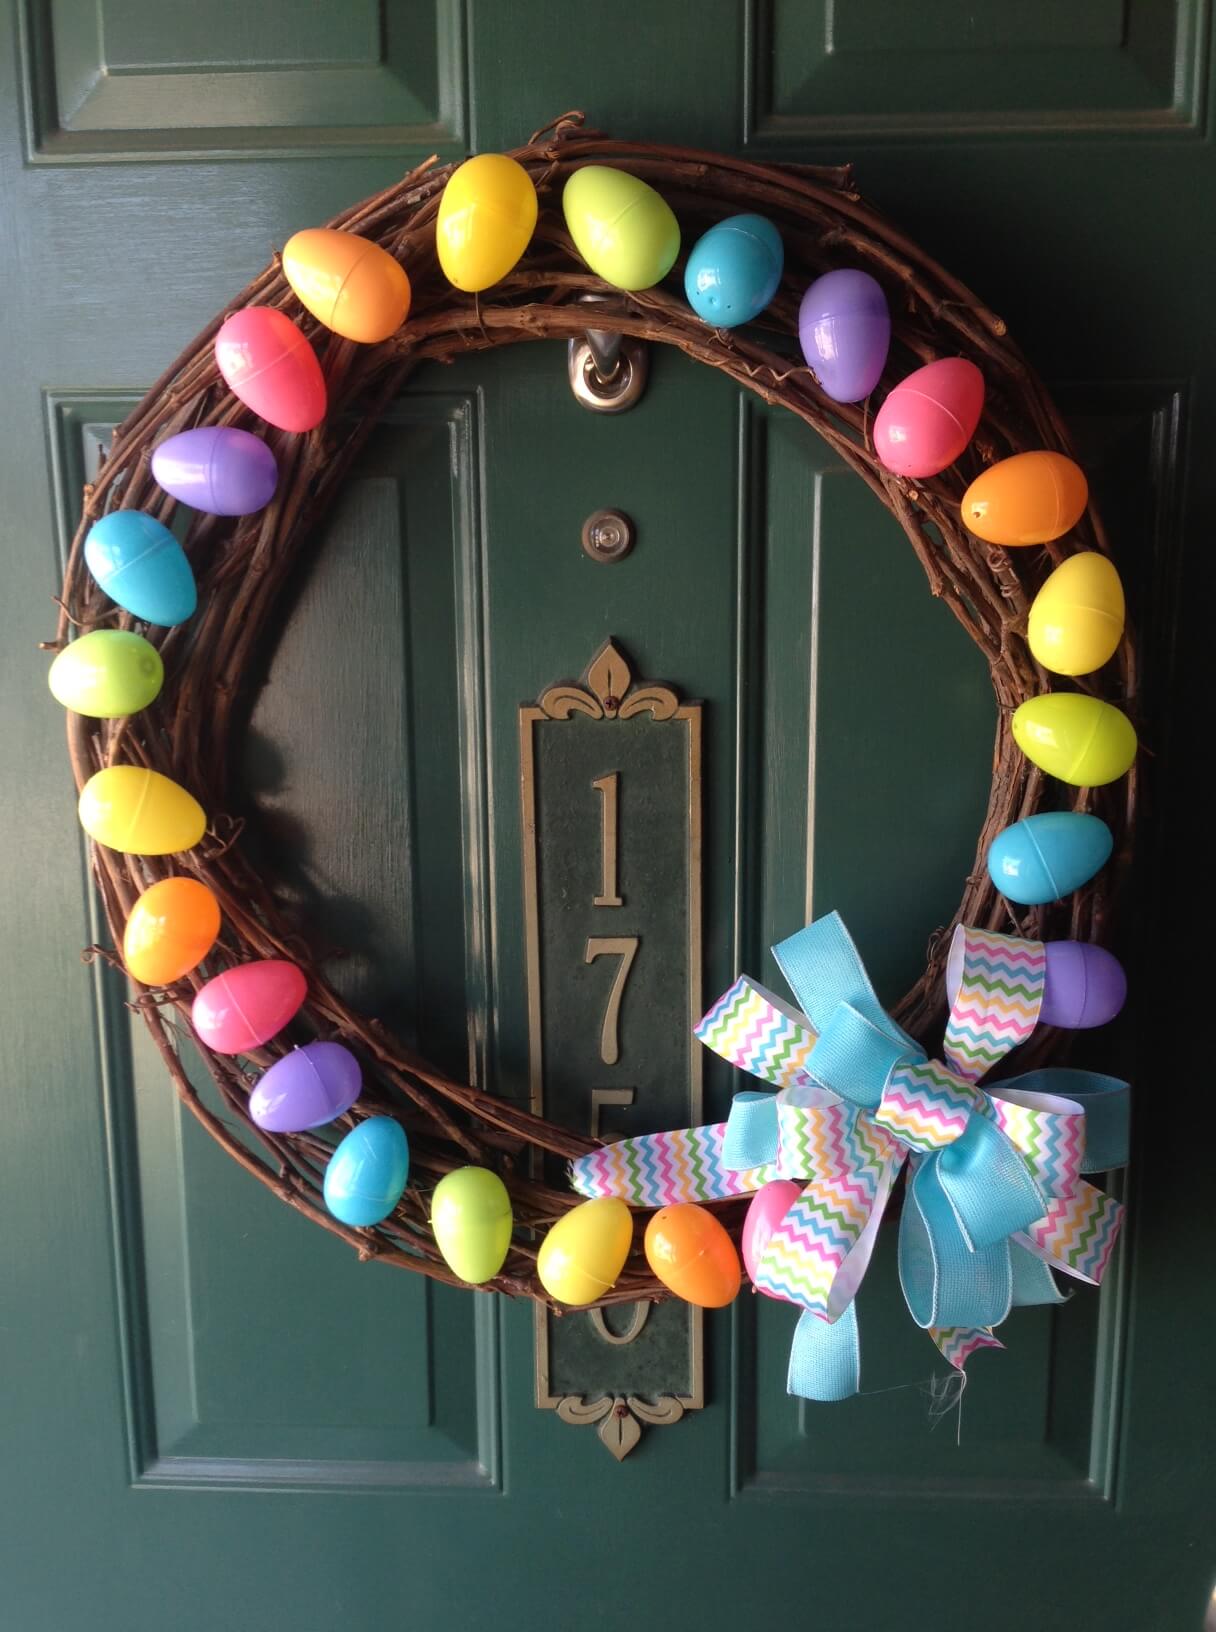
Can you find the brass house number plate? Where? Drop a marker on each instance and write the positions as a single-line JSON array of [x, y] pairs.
[[611, 787]]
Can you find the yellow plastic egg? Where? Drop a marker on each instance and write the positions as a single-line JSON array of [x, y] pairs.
[[622, 228], [1076, 621], [582, 1255], [348, 283], [1079, 739], [140, 812], [1030, 498], [487, 216]]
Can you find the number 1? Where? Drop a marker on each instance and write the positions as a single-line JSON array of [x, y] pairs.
[[606, 787]]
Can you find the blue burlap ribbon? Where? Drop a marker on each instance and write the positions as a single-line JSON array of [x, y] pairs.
[[993, 1201]]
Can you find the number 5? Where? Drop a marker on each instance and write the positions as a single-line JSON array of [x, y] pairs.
[[624, 947]]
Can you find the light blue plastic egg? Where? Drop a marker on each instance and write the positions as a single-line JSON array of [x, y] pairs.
[[734, 270], [1045, 857], [139, 564], [367, 1172]]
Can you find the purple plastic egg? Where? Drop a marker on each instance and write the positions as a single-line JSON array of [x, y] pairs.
[[1084, 986], [217, 469], [844, 325], [306, 1088]]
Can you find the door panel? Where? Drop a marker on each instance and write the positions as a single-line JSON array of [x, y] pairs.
[[224, 1419]]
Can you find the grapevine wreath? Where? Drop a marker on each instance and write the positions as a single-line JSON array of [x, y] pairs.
[[242, 564]]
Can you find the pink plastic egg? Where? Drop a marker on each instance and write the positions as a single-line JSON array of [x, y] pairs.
[[768, 1207], [246, 1006], [269, 364], [929, 418]]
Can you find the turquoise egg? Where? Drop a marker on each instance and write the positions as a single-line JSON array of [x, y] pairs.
[[141, 566], [367, 1172], [1045, 857], [734, 270]]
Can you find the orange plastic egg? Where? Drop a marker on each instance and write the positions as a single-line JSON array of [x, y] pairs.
[[172, 927], [1028, 499], [348, 283], [693, 1256]]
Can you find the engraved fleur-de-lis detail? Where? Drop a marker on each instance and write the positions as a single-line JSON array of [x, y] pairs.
[[607, 692]]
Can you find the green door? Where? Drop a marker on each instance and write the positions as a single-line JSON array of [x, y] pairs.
[[215, 1418]]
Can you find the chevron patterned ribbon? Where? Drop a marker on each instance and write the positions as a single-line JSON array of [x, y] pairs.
[[996, 1200]]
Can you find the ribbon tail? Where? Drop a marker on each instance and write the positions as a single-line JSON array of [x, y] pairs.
[[959, 1343], [658, 1169], [825, 1359], [1077, 1234]]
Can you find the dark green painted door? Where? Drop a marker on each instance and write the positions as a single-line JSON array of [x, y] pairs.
[[214, 1418]]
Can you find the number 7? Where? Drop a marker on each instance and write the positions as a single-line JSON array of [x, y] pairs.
[[624, 947]]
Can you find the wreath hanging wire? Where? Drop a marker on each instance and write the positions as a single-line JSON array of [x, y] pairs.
[[243, 566]]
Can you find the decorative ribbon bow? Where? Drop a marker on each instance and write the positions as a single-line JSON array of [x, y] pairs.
[[995, 1198]]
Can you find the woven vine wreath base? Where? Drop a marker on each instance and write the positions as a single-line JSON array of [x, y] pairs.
[[242, 566]]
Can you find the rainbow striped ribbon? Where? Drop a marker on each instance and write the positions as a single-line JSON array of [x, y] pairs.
[[997, 1200]]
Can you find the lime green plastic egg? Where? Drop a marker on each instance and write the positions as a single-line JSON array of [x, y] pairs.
[[622, 228], [471, 1220], [582, 1255], [106, 674], [1076, 621], [1079, 739]]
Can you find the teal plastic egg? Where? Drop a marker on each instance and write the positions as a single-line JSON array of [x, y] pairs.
[[367, 1172], [141, 566], [622, 228], [107, 674], [1045, 857], [734, 270]]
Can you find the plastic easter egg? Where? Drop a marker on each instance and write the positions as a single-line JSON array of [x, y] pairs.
[[1079, 739], [269, 364], [141, 567], [141, 812], [1029, 498], [582, 1255], [472, 1220], [367, 1172], [348, 283], [1045, 857], [767, 1208], [734, 270], [306, 1088], [622, 228], [217, 469], [172, 927], [844, 327], [930, 417], [693, 1256], [106, 674], [1076, 619], [486, 219], [246, 1006], [1084, 986]]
